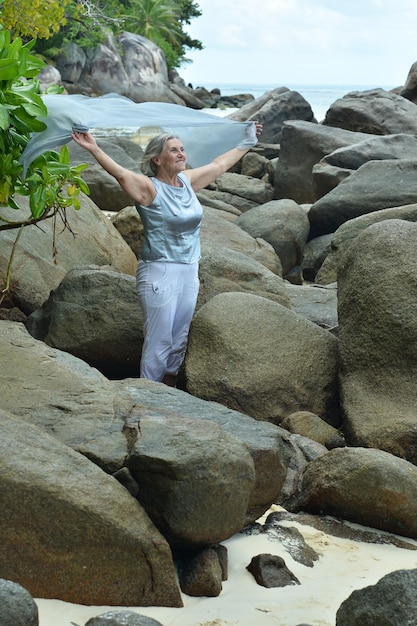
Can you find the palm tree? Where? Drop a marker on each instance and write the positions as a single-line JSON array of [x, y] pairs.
[[151, 18]]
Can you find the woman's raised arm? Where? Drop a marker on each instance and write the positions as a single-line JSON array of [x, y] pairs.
[[200, 177], [137, 186]]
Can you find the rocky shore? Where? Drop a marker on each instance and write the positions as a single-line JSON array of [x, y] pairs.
[[298, 387]]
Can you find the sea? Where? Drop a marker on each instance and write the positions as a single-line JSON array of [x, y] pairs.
[[320, 97]]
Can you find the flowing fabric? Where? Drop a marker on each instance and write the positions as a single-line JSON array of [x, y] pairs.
[[204, 136]]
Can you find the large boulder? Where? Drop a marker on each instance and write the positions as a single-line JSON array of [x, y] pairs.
[[347, 233], [303, 144], [374, 186], [195, 485], [95, 315], [70, 62], [146, 69], [378, 338], [362, 485], [279, 457], [326, 177], [318, 304], [391, 601], [132, 66], [256, 356], [222, 201], [399, 146], [236, 203], [253, 189], [89, 238], [63, 395], [224, 233], [222, 269], [187, 95], [66, 516], [409, 89], [338, 165], [273, 109], [373, 111], [104, 71], [283, 224]]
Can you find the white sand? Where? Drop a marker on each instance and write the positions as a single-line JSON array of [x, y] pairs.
[[343, 566]]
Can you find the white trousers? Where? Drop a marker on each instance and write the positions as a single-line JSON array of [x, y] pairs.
[[168, 295]]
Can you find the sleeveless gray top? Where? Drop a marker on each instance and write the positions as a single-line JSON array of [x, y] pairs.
[[171, 224]]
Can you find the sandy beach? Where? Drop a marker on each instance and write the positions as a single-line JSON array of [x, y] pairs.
[[343, 566]]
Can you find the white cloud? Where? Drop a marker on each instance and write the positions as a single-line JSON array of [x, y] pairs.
[[304, 41]]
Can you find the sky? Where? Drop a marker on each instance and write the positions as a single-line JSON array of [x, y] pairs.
[[287, 42]]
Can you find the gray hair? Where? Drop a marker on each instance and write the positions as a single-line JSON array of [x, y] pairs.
[[154, 149]]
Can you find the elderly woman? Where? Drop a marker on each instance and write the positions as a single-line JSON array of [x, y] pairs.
[[167, 274]]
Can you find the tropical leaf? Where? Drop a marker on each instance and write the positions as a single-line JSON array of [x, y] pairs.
[[15, 49], [64, 156], [9, 69], [54, 89], [152, 17], [29, 93], [25, 123], [37, 202], [82, 185], [4, 40], [32, 65], [58, 169], [4, 117], [13, 204]]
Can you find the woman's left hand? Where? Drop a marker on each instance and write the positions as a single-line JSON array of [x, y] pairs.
[[259, 129]]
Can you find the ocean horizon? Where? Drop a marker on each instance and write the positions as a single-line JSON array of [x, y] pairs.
[[320, 97]]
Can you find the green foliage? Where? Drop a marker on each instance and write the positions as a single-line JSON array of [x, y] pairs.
[[33, 18], [81, 25], [174, 57], [51, 183], [20, 106], [87, 22], [188, 10], [151, 18], [162, 21]]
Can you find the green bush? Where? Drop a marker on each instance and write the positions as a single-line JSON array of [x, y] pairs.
[[50, 182]]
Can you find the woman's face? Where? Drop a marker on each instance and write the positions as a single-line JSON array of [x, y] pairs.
[[172, 157]]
